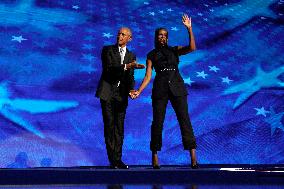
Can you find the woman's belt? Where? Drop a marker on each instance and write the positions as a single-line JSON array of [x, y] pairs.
[[166, 69]]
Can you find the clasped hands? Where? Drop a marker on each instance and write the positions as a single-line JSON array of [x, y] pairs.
[[134, 94], [134, 65]]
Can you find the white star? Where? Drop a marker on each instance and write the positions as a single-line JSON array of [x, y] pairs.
[[199, 14], [275, 120], [19, 38], [162, 12], [107, 35], [226, 80], [76, 7], [174, 28], [146, 3], [152, 13], [88, 46], [188, 81], [201, 74], [213, 68], [170, 10], [261, 111], [88, 57]]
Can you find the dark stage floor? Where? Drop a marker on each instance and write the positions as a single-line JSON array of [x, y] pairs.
[[167, 176]]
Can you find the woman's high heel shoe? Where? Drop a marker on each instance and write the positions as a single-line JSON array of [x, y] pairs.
[[195, 166], [156, 167]]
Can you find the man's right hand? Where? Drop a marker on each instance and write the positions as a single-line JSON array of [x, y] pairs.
[[134, 65]]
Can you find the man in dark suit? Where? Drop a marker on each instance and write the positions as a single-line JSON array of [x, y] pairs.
[[116, 83]]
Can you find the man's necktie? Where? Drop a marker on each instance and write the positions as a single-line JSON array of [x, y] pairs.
[[121, 55], [121, 58]]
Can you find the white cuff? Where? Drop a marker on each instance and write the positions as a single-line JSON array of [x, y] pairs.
[[125, 67]]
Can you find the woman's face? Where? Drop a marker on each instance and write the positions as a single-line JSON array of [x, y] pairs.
[[162, 37]]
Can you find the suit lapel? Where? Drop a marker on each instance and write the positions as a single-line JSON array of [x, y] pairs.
[[126, 57], [116, 53]]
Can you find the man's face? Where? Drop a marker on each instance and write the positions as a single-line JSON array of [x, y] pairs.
[[163, 37], [123, 37]]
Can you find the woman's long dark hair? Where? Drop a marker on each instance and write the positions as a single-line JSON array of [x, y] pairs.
[[157, 34]]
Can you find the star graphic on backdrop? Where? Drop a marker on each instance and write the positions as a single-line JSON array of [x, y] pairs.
[[226, 80], [88, 57], [188, 81], [152, 13], [88, 46], [201, 74], [18, 38], [275, 120], [261, 111], [76, 7], [170, 10], [261, 80], [174, 29], [199, 14], [213, 68], [64, 50], [10, 108], [107, 35], [161, 11]]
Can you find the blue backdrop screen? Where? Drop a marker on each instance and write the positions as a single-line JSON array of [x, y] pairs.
[[50, 67]]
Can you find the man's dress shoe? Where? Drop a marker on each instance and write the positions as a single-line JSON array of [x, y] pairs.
[[121, 165]]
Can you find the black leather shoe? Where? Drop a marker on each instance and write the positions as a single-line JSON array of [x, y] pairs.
[[113, 166], [196, 166], [122, 165]]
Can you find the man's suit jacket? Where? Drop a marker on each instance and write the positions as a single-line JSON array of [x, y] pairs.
[[114, 73]]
